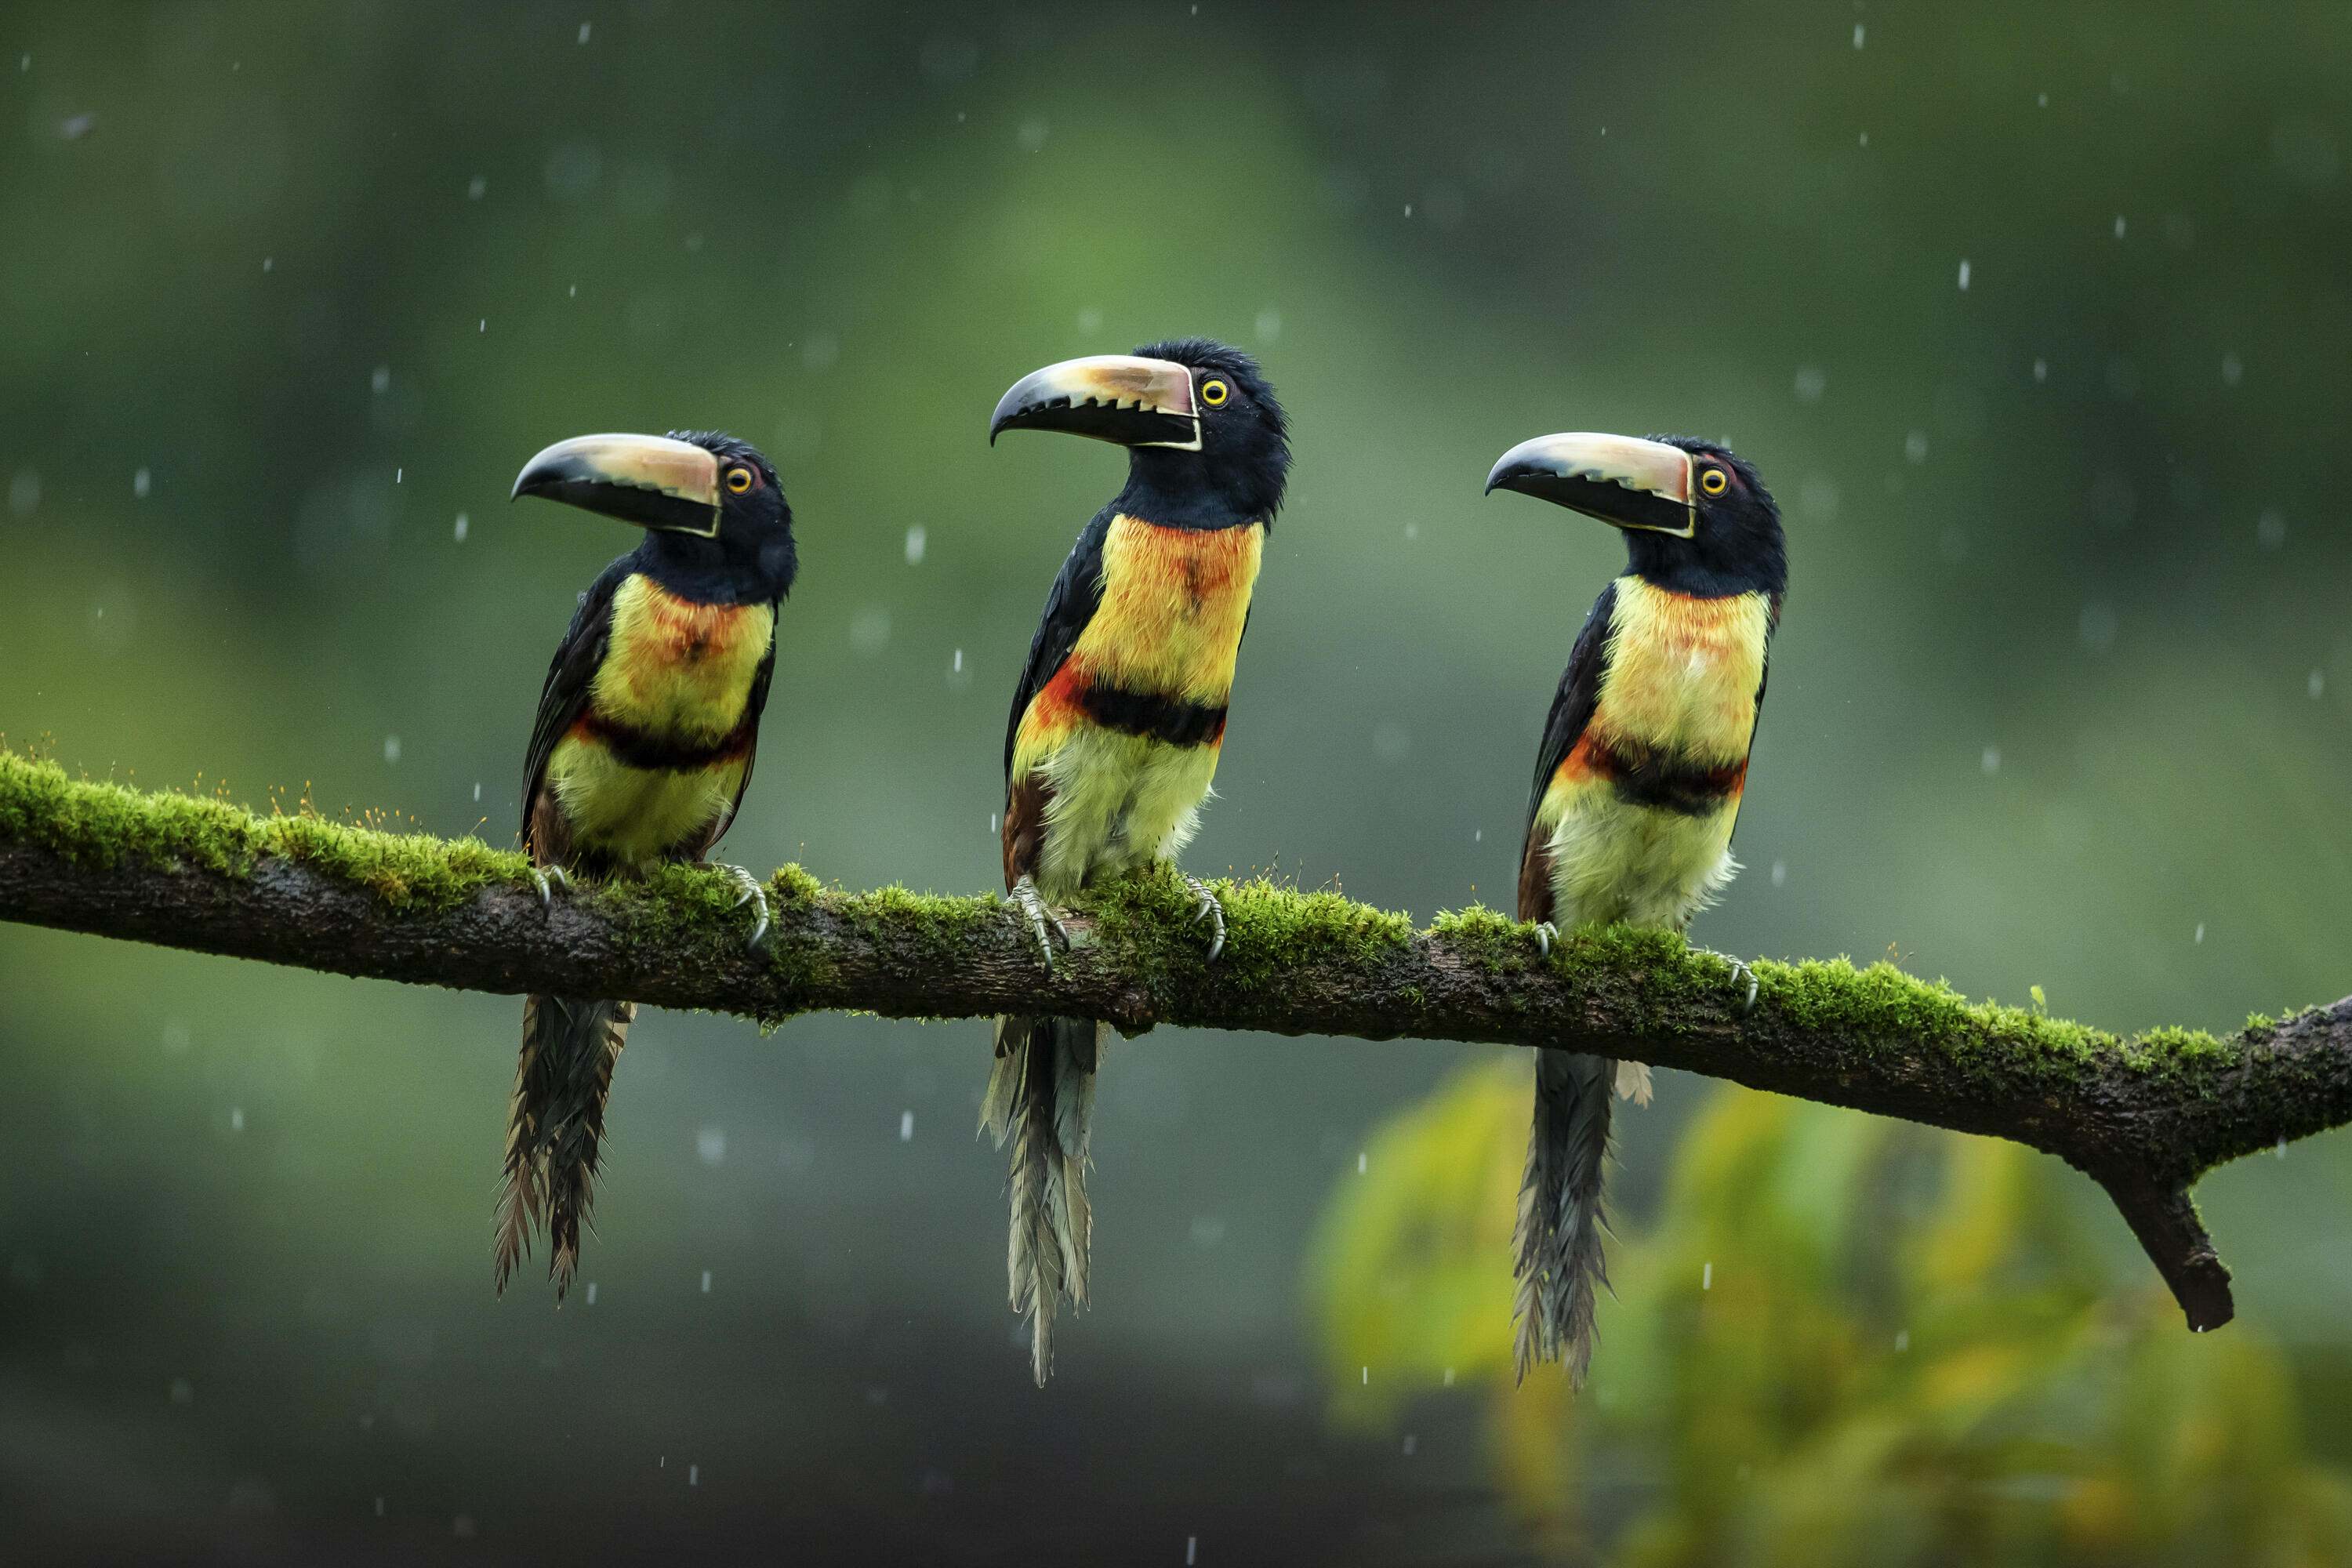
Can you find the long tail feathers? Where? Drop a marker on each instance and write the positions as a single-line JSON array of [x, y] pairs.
[[1041, 1098], [555, 1127], [1557, 1245]]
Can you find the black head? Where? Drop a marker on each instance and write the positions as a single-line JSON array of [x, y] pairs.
[[1209, 443], [716, 523], [1697, 518]]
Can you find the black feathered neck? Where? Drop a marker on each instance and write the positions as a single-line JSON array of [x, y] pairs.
[[753, 559], [1242, 468], [1738, 547]]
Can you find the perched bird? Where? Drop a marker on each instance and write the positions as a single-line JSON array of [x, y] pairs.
[[1117, 724], [640, 754], [1637, 787]]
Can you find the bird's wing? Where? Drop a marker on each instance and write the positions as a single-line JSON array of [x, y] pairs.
[[753, 706], [1077, 593], [1571, 710], [565, 695]]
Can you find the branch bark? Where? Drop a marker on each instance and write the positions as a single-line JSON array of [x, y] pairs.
[[2143, 1116]]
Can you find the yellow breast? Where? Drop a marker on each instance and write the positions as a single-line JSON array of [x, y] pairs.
[[1683, 672], [677, 669], [1173, 604]]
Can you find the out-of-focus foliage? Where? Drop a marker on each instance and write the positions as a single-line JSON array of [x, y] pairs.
[[1843, 1340]]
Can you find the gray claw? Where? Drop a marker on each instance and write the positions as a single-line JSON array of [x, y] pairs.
[[755, 896], [1546, 934], [1043, 922], [1209, 910], [541, 876], [1740, 970]]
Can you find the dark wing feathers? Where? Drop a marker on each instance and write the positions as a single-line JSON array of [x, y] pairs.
[[1580, 692], [1571, 710], [1077, 593], [565, 695]]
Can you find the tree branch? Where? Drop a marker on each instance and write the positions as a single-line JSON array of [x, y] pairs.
[[2143, 1116]]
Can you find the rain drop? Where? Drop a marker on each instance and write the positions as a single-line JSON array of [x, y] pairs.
[[705, 1281], [2199, 940], [2233, 370], [141, 483], [1707, 1277], [583, 31], [906, 1127], [917, 540], [592, 1292], [1964, 274], [2119, 226], [1780, 873], [1991, 760], [2042, 369], [1857, 35], [2317, 684], [391, 748], [460, 530], [1362, 1160], [1901, 1340]]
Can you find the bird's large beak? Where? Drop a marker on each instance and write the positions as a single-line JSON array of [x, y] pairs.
[[1112, 397], [650, 480], [1620, 480]]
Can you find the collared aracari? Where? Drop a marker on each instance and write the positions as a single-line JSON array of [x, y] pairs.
[[640, 754], [1637, 787], [1117, 724]]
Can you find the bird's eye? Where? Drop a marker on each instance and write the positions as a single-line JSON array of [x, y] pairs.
[[1713, 481], [1214, 392], [738, 479]]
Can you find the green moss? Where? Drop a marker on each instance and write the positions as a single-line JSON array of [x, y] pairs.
[[107, 825], [1270, 930], [1652, 979]]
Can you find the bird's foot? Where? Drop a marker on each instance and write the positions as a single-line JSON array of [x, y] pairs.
[[1741, 976], [753, 895], [1042, 922], [1208, 908], [1546, 934], [543, 878]]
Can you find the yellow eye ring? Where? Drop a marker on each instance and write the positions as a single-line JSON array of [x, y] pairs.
[[1214, 392], [738, 479], [1713, 481]]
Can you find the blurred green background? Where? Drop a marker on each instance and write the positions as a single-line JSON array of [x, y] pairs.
[[2034, 317]]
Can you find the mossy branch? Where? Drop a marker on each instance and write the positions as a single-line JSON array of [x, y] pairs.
[[2145, 1116]]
